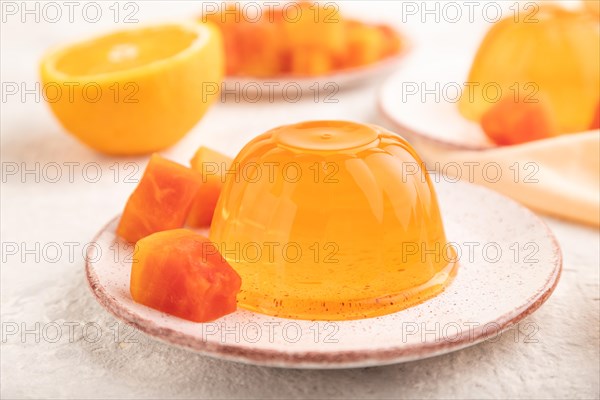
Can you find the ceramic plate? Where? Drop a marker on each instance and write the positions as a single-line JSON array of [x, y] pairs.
[[287, 85], [509, 264], [420, 100]]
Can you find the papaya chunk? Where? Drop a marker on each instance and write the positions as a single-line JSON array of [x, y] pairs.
[[161, 201], [212, 166], [510, 122], [596, 121], [299, 38], [182, 273], [366, 43]]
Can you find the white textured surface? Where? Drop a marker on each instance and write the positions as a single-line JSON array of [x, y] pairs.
[[562, 361]]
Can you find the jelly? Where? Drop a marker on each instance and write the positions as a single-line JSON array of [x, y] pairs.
[[552, 54], [331, 220]]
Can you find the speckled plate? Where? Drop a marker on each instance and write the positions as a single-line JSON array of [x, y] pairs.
[[420, 101], [509, 265], [417, 91]]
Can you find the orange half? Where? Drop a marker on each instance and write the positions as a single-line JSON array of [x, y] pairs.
[[135, 91]]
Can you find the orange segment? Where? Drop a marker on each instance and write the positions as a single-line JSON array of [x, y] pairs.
[[136, 91]]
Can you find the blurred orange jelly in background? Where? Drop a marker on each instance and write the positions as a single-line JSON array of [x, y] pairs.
[[551, 58], [302, 38], [331, 220]]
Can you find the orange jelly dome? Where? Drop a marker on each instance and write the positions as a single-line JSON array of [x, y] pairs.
[[331, 220], [552, 57]]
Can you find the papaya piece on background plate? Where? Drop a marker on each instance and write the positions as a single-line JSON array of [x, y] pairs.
[[511, 121], [228, 21], [366, 44], [161, 201], [260, 45], [211, 166], [182, 273], [302, 38], [310, 24], [596, 122], [311, 62], [393, 42]]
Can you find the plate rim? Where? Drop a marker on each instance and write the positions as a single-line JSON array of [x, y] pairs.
[[351, 73], [337, 359], [382, 110]]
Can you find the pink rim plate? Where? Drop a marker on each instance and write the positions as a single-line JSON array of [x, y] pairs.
[[509, 260]]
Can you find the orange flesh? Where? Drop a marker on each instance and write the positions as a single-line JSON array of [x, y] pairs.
[[125, 50], [321, 223], [148, 85]]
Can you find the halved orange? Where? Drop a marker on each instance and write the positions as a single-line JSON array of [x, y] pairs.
[[135, 91]]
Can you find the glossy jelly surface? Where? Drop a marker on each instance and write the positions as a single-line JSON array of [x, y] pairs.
[[331, 220], [552, 55]]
